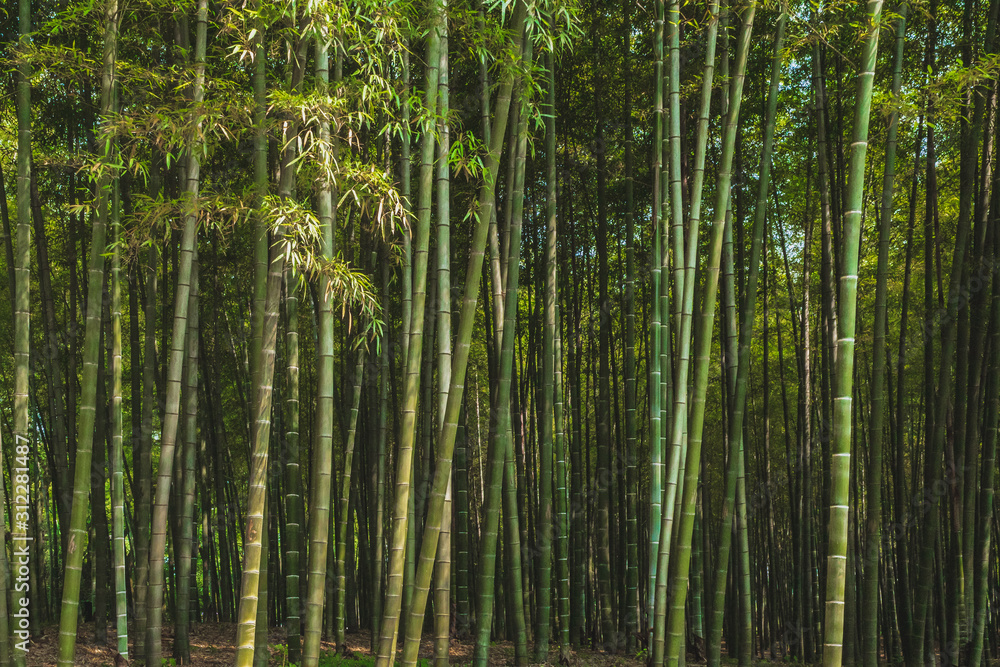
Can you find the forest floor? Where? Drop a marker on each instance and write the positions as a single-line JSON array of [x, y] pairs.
[[212, 644]]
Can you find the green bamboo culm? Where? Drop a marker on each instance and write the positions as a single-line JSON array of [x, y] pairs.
[[501, 448], [513, 558], [394, 602], [292, 542], [987, 472], [547, 426], [183, 550], [938, 415], [735, 465], [382, 433], [117, 462], [653, 362], [562, 500], [681, 560], [252, 616], [631, 612], [668, 427], [734, 469], [260, 251], [322, 464], [675, 416], [607, 602], [442, 567], [676, 413], [873, 531], [561, 487], [344, 506], [405, 193], [77, 541], [698, 172], [256, 525], [840, 466], [463, 343], [143, 483], [460, 505], [175, 364], [260, 181]]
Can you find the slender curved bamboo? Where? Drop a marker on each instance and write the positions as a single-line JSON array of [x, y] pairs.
[[680, 563], [836, 573], [828, 309], [295, 67], [77, 542], [501, 448], [178, 350], [734, 503], [257, 495], [734, 469], [684, 259], [873, 509], [463, 341], [411, 389], [99, 548], [55, 383], [653, 362], [677, 424], [252, 616], [921, 632], [344, 506], [673, 200]]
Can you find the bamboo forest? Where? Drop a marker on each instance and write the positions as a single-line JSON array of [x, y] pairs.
[[499, 332]]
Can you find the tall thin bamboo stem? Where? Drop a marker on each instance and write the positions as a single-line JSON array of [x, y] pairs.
[[873, 530], [460, 357], [836, 575], [680, 564], [77, 543], [178, 350]]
